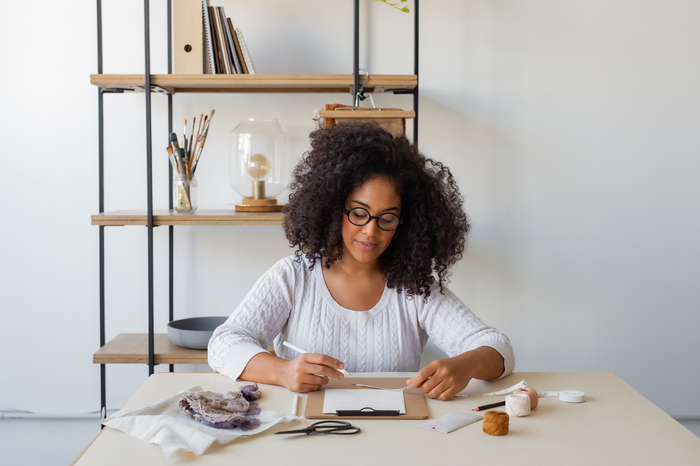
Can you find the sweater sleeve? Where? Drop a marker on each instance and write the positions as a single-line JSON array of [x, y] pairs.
[[255, 322], [455, 329]]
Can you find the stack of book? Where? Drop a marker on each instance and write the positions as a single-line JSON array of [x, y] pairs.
[[205, 41], [227, 52]]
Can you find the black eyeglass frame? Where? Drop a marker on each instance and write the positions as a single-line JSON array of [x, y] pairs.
[[371, 217]]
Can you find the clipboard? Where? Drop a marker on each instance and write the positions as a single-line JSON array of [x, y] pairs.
[[414, 400]]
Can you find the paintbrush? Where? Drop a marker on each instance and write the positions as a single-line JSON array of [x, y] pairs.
[[190, 148], [200, 147], [173, 162], [178, 155], [207, 121], [198, 134], [184, 141], [205, 131], [198, 139], [203, 123]]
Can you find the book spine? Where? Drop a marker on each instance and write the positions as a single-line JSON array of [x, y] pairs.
[[221, 42], [233, 59], [215, 42], [210, 62], [239, 55], [246, 54]]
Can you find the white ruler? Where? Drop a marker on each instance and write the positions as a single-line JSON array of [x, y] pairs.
[[568, 396], [520, 384]]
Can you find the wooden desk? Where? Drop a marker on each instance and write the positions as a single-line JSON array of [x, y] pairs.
[[615, 426]]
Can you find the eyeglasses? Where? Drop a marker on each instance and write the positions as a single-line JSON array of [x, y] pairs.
[[360, 217]]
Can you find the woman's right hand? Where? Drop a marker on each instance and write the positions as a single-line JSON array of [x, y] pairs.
[[308, 372]]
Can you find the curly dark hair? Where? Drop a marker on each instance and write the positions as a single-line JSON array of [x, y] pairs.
[[433, 234]]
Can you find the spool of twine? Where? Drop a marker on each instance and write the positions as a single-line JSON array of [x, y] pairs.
[[496, 423], [518, 405], [532, 393]]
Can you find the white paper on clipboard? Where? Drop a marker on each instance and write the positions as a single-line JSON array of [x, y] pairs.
[[354, 400]]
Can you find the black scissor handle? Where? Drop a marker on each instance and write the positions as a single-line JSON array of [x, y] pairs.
[[334, 428], [326, 427]]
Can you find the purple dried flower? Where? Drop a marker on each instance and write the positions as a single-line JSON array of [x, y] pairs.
[[235, 409], [251, 392]]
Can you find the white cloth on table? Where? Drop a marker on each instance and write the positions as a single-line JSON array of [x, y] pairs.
[[162, 423]]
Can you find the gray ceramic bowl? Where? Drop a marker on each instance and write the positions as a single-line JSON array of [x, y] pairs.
[[194, 332]]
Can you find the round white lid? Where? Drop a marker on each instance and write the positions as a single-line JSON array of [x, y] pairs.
[[572, 396]]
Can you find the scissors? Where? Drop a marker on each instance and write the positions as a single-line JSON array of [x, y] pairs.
[[326, 428]]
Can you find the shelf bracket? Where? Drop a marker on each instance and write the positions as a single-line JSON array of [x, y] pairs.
[[114, 90], [137, 88], [360, 96], [161, 90]]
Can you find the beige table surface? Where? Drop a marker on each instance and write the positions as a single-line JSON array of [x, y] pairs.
[[614, 426]]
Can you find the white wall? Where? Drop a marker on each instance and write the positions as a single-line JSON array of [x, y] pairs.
[[572, 127]]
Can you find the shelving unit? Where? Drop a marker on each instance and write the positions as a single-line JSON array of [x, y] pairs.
[[150, 348]]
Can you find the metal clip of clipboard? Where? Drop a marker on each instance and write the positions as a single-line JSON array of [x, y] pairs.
[[367, 412]]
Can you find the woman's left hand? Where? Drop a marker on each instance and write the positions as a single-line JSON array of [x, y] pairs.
[[444, 378]]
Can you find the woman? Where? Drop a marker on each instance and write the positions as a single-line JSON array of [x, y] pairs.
[[376, 226]]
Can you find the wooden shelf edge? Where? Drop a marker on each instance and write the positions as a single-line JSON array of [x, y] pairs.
[[242, 83], [365, 113], [203, 217], [132, 348]]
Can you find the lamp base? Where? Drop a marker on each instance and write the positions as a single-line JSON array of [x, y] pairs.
[[268, 204]]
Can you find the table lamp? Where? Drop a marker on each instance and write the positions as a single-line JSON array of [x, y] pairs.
[[259, 164]]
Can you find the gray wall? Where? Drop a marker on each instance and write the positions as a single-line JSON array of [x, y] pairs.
[[572, 127]]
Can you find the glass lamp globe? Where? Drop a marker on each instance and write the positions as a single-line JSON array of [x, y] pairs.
[[259, 164]]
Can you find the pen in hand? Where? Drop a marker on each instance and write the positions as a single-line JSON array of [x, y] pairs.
[[289, 345]]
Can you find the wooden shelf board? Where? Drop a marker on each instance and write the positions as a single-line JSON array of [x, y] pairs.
[[365, 113], [199, 217], [255, 83], [132, 348]]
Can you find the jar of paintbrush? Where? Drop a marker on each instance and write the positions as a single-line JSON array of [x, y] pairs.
[[184, 158]]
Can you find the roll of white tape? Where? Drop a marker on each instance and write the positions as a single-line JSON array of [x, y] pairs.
[[567, 396], [572, 396]]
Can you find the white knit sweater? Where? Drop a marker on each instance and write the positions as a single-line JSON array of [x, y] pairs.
[[292, 303]]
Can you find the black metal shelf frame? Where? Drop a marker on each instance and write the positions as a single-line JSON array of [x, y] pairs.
[[149, 166]]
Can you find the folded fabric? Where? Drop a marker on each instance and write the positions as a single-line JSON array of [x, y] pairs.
[[450, 422], [162, 423], [234, 409]]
